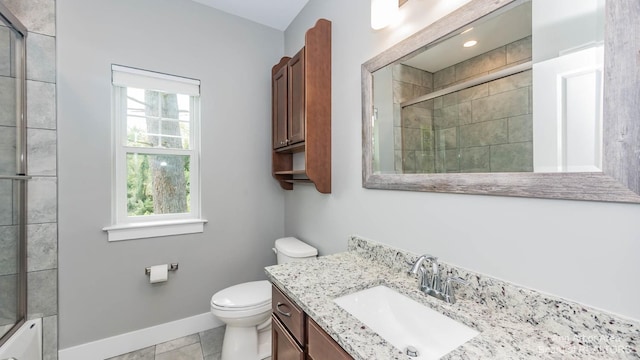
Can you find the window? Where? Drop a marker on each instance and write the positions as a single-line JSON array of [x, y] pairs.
[[156, 120]]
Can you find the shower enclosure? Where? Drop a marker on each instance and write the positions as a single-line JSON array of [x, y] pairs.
[[13, 175]]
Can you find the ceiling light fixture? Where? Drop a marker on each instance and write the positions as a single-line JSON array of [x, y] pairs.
[[470, 43], [384, 12]]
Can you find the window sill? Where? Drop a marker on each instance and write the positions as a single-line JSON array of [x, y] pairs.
[[154, 229]]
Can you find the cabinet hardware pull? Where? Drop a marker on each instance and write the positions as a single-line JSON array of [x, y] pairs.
[[287, 314]]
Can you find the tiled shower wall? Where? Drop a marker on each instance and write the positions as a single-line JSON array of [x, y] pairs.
[[42, 249], [485, 128]]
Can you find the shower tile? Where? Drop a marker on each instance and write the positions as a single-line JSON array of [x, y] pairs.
[[450, 99], [447, 161], [41, 57], [402, 92], [397, 114], [8, 305], [177, 343], [42, 296], [8, 149], [474, 92], [481, 64], [5, 53], [512, 157], [397, 138], [475, 159], [446, 117], [397, 161], [464, 113], [189, 352], [484, 133], [148, 353], [42, 200], [50, 338], [41, 152], [519, 50], [408, 162], [37, 15], [506, 104], [412, 75], [512, 82], [7, 100], [447, 138], [6, 199], [42, 247], [416, 117], [211, 341], [412, 139], [425, 162], [444, 77], [41, 105], [521, 128], [8, 250]]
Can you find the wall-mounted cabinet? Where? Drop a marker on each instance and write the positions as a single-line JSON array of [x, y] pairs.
[[301, 92]]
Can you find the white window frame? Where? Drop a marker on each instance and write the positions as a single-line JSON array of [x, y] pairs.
[[125, 227]]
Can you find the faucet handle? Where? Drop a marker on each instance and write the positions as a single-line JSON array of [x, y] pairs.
[[448, 293]]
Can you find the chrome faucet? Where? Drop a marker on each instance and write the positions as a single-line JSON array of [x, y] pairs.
[[432, 284]]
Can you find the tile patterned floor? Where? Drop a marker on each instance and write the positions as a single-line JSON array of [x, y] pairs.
[[205, 345]]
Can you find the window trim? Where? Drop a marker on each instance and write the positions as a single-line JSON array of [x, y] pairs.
[[125, 227]]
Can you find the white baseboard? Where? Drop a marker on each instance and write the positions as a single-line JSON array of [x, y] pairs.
[[139, 339]]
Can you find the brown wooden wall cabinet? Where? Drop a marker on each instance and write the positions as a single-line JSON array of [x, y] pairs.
[[295, 336], [301, 99]]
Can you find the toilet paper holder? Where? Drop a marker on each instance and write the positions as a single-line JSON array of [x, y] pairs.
[[171, 267]]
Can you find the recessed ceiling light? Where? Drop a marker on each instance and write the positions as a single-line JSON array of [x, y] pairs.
[[466, 31], [470, 43]]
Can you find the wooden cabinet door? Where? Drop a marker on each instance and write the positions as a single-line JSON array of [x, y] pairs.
[[280, 96], [283, 347], [296, 98], [320, 346]]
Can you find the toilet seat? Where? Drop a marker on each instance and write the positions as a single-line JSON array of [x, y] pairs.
[[249, 297]]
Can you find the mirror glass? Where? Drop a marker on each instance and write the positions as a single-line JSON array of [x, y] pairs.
[[519, 90]]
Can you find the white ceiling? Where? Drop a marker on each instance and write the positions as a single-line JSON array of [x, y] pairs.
[[277, 14]]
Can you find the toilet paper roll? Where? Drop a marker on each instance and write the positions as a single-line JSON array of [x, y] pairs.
[[159, 273]]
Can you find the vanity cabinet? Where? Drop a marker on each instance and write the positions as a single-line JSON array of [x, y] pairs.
[[295, 336], [301, 112]]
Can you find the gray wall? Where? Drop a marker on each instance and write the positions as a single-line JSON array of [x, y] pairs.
[[103, 289], [39, 18], [565, 248]]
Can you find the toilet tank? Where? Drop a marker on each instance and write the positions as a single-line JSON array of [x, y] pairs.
[[291, 249]]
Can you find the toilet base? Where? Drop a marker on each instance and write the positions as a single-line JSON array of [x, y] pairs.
[[246, 343]]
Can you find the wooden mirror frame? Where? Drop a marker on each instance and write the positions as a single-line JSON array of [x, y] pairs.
[[620, 179]]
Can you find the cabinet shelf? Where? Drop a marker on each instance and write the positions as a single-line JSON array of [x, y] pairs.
[[291, 172], [301, 102]]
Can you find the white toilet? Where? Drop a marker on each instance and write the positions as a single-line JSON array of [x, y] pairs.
[[246, 308]]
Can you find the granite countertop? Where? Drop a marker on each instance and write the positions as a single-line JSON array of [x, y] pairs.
[[513, 323]]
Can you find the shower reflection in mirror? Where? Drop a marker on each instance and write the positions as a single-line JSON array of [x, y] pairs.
[[519, 90]]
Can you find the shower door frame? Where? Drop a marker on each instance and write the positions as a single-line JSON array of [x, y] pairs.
[[21, 176]]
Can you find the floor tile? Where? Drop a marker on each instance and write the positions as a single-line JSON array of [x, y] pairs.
[[189, 352], [211, 340], [177, 343], [142, 354]]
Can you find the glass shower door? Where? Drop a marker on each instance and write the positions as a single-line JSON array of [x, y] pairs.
[[12, 174]]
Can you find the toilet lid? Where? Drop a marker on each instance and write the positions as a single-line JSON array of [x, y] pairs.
[[243, 295]]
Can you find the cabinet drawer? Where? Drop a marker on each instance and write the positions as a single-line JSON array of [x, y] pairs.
[[283, 346], [291, 315], [321, 346]]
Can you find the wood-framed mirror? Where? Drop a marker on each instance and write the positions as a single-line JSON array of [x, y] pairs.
[[460, 157]]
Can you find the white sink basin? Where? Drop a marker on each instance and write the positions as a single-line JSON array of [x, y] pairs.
[[404, 322]]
